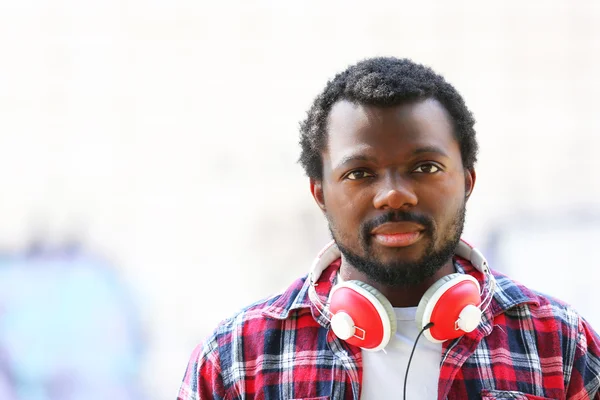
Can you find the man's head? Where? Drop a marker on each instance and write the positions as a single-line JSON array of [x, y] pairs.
[[389, 147]]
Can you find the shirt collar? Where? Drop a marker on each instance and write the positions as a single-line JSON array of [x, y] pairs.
[[296, 297]]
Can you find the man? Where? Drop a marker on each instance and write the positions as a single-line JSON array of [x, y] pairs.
[[389, 148]]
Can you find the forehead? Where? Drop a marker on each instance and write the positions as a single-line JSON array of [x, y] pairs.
[[394, 130]]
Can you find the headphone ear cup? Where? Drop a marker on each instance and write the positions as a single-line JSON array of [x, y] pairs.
[[442, 304], [385, 303], [364, 308], [427, 297]]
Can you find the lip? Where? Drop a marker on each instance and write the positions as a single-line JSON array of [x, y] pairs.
[[397, 234], [397, 227]]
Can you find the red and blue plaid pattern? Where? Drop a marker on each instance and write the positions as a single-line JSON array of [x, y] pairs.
[[527, 347]]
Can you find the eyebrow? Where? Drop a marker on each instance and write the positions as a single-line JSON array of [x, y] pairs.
[[353, 158], [362, 157]]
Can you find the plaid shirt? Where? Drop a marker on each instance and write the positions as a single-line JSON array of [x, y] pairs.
[[527, 347]]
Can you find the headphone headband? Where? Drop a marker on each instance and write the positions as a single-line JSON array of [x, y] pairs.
[[330, 253], [326, 256]]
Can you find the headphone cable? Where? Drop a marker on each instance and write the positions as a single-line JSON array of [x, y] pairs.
[[429, 325]]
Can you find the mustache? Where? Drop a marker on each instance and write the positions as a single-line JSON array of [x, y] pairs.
[[397, 216]]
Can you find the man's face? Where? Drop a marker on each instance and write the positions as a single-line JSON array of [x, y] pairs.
[[394, 189]]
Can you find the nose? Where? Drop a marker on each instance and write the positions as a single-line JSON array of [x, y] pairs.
[[395, 194]]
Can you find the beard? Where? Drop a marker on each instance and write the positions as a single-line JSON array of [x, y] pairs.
[[399, 272]]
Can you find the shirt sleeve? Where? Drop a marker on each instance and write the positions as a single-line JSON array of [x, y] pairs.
[[203, 379], [585, 374]]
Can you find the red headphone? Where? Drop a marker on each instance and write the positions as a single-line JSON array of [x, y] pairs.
[[363, 317]]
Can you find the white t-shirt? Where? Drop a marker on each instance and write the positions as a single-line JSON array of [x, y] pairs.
[[383, 371]]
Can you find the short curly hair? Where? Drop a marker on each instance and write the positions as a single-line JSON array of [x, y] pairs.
[[383, 82]]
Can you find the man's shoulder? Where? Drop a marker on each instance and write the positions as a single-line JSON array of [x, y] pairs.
[[520, 301], [253, 320], [537, 329], [275, 306]]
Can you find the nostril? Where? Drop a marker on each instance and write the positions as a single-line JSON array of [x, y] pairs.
[[396, 199]]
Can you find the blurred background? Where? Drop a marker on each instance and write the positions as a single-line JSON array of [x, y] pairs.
[[149, 184]]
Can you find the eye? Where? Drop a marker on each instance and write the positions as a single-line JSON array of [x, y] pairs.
[[358, 174], [428, 168]]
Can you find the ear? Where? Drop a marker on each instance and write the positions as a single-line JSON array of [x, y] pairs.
[[316, 189], [470, 177]]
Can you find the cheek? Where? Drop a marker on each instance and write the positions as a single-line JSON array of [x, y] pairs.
[[347, 208], [443, 201]]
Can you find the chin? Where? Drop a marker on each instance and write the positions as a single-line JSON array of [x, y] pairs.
[[399, 255]]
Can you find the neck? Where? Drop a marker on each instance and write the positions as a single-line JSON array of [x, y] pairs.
[[399, 296]]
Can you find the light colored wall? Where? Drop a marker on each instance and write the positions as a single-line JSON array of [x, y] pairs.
[[165, 132]]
